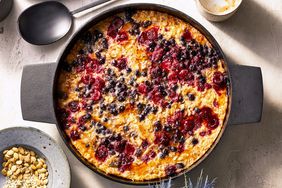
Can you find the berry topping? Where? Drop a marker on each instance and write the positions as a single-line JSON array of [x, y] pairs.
[[101, 153], [220, 81], [74, 106], [142, 95], [218, 78], [129, 149], [149, 156], [114, 27], [209, 118], [162, 139], [125, 162], [170, 170], [142, 88], [119, 146], [187, 35], [148, 35], [120, 63], [122, 36], [74, 135]]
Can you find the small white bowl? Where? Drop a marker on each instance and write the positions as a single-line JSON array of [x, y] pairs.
[[216, 16]]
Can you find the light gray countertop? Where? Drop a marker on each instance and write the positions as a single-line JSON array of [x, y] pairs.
[[247, 155]]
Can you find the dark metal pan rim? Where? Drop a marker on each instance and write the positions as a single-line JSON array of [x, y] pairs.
[[110, 12]]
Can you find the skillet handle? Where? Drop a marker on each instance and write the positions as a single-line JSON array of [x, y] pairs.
[[36, 92], [247, 99]]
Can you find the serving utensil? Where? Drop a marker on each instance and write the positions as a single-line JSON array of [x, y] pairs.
[[49, 21]]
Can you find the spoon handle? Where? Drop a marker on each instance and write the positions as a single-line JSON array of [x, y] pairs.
[[90, 5]]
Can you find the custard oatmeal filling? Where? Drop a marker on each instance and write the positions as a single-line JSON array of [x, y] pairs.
[[142, 95]]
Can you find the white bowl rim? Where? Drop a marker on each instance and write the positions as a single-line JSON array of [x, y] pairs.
[[229, 11]]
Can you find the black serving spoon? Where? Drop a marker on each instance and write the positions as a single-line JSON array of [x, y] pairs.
[[49, 21]]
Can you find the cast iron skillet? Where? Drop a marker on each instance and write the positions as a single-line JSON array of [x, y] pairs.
[[39, 83]]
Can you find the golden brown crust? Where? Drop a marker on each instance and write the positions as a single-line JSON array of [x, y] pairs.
[[195, 110]]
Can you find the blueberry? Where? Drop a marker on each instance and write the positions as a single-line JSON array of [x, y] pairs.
[[125, 128], [138, 152], [175, 87], [101, 113], [89, 108], [155, 109], [121, 108], [98, 34], [132, 102], [177, 123], [137, 73], [131, 81], [162, 155], [191, 96], [105, 43], [179, 165], [157, 123], [128, 15], [167, 128], [157, 126], [192, 67], [113, 164], [183, 40], [82, 127], [181, 139], [133, 94], [172, 41], [102, 60], [180, 98], [173, 149], [103, 106], [144, 73], [165, 151], [195, 141], [89, 50], [141, 117], [146, 23], [152, 44], [98, 131], [107, 131], [140, 106], [98, 55], [121, 98], [114, 62], [128, 70], [135, 30], [110, 71], [202, 79]]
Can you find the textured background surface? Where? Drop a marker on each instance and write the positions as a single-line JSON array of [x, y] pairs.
[[247, 156]]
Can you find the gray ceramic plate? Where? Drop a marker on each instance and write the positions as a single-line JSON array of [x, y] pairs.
[[44, 146]]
